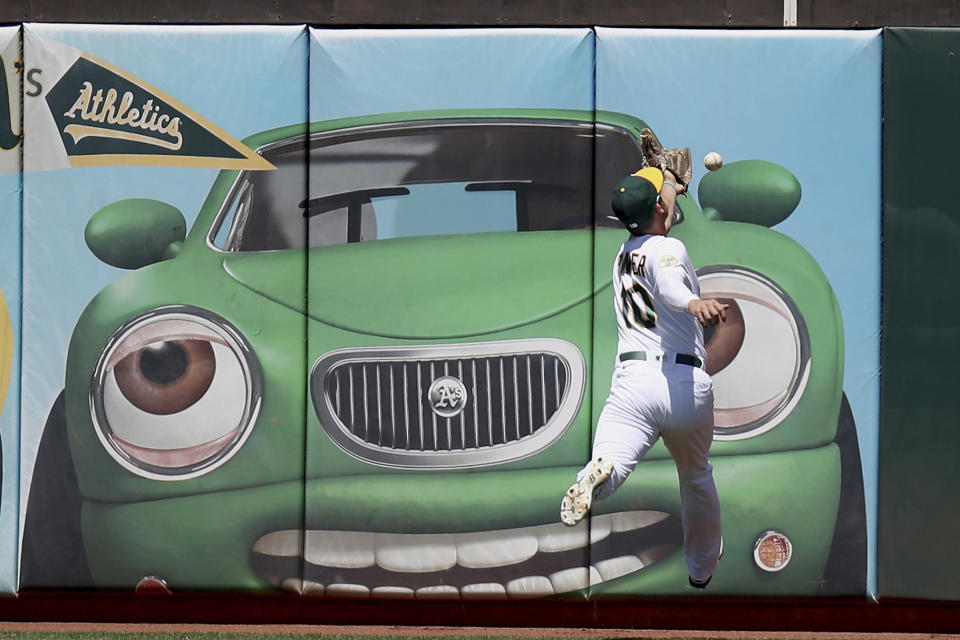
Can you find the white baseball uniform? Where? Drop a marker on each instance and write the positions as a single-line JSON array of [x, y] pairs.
[[653, 395]]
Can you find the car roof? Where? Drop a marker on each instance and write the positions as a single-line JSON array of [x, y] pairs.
[[622, 120]]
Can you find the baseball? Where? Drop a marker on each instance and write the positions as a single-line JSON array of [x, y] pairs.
[[713, 161]]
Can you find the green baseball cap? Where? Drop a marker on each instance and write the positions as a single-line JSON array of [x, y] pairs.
[[635, 197]]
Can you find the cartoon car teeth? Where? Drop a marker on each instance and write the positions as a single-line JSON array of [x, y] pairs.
[[369, 375], [523, 562]]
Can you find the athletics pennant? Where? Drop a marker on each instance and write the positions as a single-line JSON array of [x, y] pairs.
[[84, 112]]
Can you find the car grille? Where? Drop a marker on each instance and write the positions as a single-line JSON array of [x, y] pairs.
[[449, 406]]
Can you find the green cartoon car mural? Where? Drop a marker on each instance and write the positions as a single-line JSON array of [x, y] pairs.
[[373, 371]]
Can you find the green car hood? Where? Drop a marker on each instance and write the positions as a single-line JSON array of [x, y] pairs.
[[433, 287]]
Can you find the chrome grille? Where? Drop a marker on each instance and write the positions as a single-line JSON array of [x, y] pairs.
[[520, 396]]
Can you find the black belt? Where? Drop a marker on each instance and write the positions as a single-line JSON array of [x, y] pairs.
[[681, 358]]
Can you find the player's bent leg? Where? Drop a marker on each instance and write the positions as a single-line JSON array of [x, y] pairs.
[[579, 497], [622, 438], [616, 452]]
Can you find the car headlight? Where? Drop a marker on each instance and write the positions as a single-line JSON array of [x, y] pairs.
[[772, 551], [175, 393], [759, 358]]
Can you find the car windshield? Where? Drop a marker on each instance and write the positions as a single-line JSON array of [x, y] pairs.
[[422, 179]]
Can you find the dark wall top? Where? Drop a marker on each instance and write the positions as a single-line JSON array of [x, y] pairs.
[[637, 13]]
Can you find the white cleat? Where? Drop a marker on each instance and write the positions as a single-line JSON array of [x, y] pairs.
[[579, 497]]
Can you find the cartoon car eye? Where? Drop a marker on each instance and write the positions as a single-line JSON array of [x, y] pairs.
[[759, 358], [175, 393]]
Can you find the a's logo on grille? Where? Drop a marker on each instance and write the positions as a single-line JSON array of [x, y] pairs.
[[449, 406], [447, 396]]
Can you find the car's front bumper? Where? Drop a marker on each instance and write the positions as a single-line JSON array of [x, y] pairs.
[[407, 523]]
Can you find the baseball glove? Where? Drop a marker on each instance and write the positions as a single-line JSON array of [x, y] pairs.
[[676, 161]]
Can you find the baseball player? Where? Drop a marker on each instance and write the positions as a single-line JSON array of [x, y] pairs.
[[660, 387]]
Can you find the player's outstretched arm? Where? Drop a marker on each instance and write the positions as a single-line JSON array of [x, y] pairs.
[[708, 311], [672, 184]]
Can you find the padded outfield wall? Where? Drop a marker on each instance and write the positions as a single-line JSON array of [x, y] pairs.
[[11, 186], [328, 311]]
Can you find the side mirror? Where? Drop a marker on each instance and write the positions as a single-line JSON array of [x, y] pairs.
[[133, 233], [753, 191]]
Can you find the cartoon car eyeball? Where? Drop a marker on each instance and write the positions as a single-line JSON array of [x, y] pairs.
[[175, 393], [757, 381]]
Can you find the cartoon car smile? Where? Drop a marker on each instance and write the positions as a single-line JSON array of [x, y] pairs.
[[373, 371]]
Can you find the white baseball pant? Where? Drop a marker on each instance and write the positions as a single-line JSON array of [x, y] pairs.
[[652, 399]]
